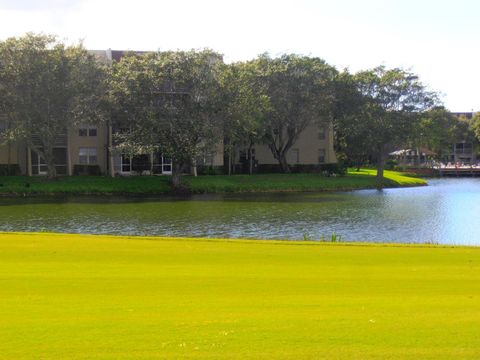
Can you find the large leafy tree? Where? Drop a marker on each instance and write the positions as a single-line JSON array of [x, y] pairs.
[[46, 87], [243, 108], [437, 129], [475, 125], [393, 101], [300, 92], [350, 147], [169, 101]]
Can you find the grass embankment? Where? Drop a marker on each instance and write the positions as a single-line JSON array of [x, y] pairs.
[[104, 297], [154, 185]]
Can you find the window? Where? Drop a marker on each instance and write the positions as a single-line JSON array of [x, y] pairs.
[[87, 131], [87, 156], [3, 125], [126, 163], [294, 157], [322, 133], [463, 148], [321, 156]]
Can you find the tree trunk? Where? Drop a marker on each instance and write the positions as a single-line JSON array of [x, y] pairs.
[[9, 160], [50, 161], [250, 159], [194, 168], [151, 163], [380, 169], [176, 176], [229, 162], [51, 171], [282, 160]]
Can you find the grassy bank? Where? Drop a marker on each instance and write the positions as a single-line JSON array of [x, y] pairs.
[[154, 185], [102, 297]]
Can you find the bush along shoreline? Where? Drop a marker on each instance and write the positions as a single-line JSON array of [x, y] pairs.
[[13, 186]]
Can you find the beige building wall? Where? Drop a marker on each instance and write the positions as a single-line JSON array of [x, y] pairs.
[[4, 154], [311, 144], [218, 157], [18, 155], [98, 142]]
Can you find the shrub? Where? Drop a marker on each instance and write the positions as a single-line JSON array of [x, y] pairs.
[[9, 169], [391, 164], [92, 170], [327, 169], [210, 170]]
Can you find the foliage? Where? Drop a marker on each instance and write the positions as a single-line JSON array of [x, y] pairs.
[[475, 126], [83, 169], [300, 91], [392, 101], [9, 169], [168, 102], [46, 88], [438, 130], [244, 108]]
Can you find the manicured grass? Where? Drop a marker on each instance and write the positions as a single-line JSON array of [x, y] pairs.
[[363, 179], [84, 185], [103, 297], [152, 185]]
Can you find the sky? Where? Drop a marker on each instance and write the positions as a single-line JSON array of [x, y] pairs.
[[437, 39]]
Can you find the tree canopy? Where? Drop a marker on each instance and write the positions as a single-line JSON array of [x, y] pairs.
[[300, 92], [47, 87], [169, 102], [391, 103], [185, 103]]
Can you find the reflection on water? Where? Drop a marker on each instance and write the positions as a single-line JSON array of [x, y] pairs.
[[447, 211]]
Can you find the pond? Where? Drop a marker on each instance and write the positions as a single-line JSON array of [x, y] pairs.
[[446, 212]]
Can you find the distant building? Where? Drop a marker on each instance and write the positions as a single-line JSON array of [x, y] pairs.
[[83, 148], [464, 150]]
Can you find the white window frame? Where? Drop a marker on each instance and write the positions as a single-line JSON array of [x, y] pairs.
[[89, 153], [122, 163], [41, 163]]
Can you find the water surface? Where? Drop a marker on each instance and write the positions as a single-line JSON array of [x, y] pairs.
[[447, 212]]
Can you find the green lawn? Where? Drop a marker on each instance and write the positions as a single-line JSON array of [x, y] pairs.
[[101, 297], [363, 179], [151, 185]]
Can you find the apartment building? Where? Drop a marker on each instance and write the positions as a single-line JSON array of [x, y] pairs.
[[314, 147], [91, 149], [463, 151]]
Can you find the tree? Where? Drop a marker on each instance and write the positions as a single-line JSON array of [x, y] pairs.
[[169, 102], [47, 87], [475, 125], [243, 109], [437, 130], [351, 147], [300, 92], [393, 101]]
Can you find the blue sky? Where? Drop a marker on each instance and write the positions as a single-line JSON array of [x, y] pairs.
[[439, 40]]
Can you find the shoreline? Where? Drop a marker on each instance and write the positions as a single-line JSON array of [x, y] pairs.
[[141, 186], [252, 241]]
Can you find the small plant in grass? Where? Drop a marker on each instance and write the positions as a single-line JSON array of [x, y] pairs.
[[336, 237]]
